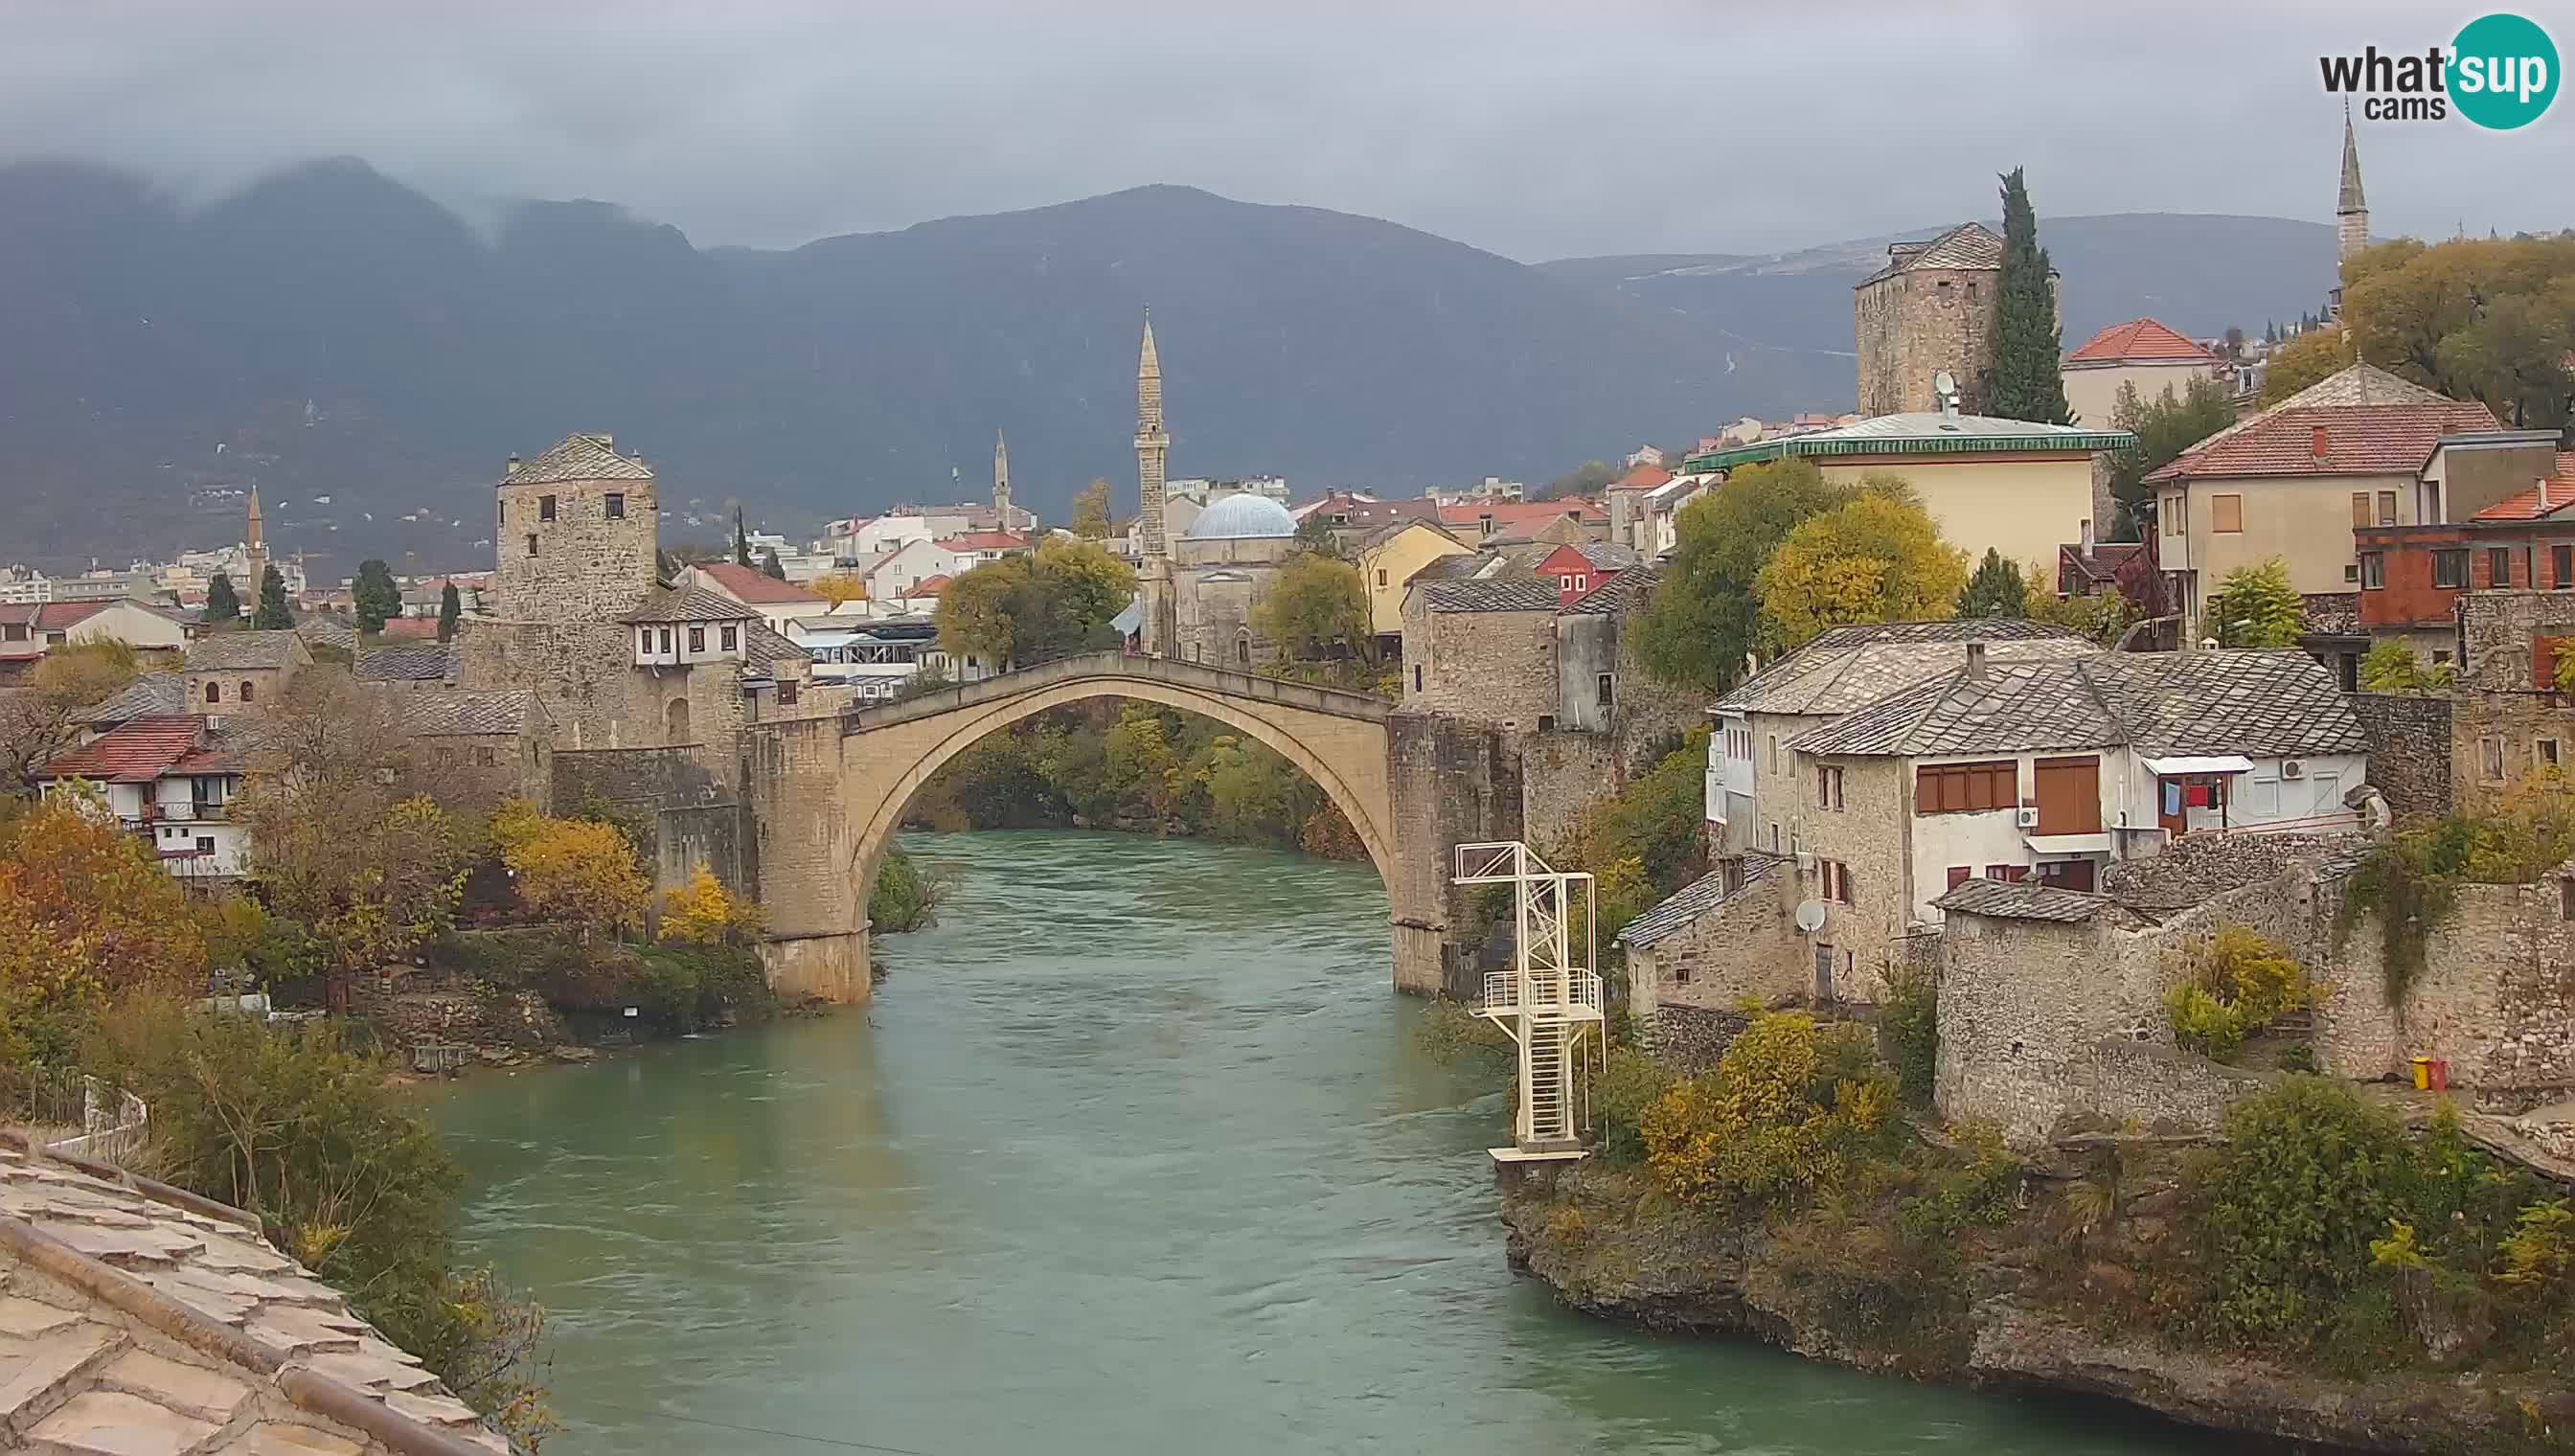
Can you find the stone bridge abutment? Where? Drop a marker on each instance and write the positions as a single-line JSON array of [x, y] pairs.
[[827, 793]]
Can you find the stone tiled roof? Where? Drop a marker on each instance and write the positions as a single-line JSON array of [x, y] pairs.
[[235, 651], [410, 662], [2029, 900], [766, 647], [1695, 899], [1629, 590], [1494, 593], [1968, 245], [1850, 667], [150, 695], [2162, 703], [322, 633], [689, 604], [139, 1320], [2139, 341], [457, 712], [579, 458], [1606, 555]]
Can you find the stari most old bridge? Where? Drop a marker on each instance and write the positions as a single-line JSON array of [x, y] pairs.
[[827, 792]]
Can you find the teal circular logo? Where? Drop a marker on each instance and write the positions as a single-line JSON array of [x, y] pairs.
[[2503, 71]]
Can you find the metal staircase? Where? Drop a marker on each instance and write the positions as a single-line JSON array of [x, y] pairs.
[[1549, 1000]]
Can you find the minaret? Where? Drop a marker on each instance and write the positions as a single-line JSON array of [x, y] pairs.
[[1152, 446], [2351, 212], [1001, 482], [256, 548]]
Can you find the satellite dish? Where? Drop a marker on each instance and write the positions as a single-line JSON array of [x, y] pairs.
[[1944, 384], [1810, 917]]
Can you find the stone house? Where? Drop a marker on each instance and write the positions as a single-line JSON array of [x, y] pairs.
[[2009, 485], [482, 746], [1388, 558], [2358, 446], [2141, 353], [1481, 648], [233, 671], [1930, 310], [1725, 936], [1841, 671]]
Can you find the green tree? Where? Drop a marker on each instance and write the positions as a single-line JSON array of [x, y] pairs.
[[1027, 608], [1587, 478], [2312, 357], [36, 719], [2165, 426], [273, 613], [376, 597], [223, 608], [2486, 319], [451, 608], [741, 539], [1877, 559], [2028, 377], [2257, 607], [1091, 509], [1996, 589], [1316, 602], [1704, 618], [1315, 535], [2391, 666], [769, 565]]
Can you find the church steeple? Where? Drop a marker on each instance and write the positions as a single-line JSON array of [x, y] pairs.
[[1001, 482], [2351, 210]]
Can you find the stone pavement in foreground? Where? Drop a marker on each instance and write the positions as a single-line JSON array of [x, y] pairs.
[[136, 1321]]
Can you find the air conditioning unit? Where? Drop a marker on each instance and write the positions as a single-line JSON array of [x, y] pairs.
[[2292, 768], [1805, 862], [2027, 818]]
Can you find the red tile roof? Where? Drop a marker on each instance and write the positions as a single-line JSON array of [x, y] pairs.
[[929, 585], [1521, 513], [2539, 501], [49, 615], [984, 540], [136, 751], [2140, 341], [751, 586], [2362, 440], [1643, 478], [411, 628]]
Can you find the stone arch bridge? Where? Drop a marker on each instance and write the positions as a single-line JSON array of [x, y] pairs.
[[827, 792]]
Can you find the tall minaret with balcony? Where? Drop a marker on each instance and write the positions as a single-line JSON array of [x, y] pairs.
[[2352, 209], [1153, 449], [256, 548], [1001, 482]]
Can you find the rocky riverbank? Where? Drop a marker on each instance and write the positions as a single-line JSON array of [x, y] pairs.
[[2018, 1308]]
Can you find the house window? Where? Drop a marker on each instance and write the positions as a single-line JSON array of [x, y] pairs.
[[2547, 750], [1605, 689], [2499, 567], [697, 639], [617, 504], [1381, 576], [666, 639], [1416, 677], [2363, 517], [730, 635], [2561, 567], [2490, 760], [2387, 508], [1774, 752], [642, 639], [1828, 785], [2351, 572], [2226, 513], [214, 691], [204, 844], [532, 542], [2450, 568], [1960, 873], [247, 692], [486, 756], [1833, 882], [788, 687], [545, 508], [2373, 571], [1581, 583], [2008, 873], [1966, 788]]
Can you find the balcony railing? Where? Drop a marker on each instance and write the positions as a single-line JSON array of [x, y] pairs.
[[1577, 990]]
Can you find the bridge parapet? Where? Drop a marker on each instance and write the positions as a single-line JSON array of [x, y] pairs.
[[1132, 667]]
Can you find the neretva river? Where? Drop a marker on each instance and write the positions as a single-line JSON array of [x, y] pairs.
[[1131, 1155]]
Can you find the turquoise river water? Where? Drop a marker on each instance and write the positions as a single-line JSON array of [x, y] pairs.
[[1133, 1154]]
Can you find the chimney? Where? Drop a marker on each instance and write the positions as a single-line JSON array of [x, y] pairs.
[[2319, 445], [510, 469], [2543, 494], [1975, 660], [2088, 535]]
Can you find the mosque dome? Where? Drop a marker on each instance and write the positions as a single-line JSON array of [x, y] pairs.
[[1243, 517]]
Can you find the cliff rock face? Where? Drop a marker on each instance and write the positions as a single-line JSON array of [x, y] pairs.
[[1700, 1275]]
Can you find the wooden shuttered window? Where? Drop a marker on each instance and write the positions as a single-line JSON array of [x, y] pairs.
[[2226, 513], [2360, 513], [1965, 788]]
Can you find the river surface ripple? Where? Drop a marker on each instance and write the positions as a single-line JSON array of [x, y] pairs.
[[1131, 1155]]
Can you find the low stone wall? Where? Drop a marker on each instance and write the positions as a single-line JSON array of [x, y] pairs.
[[1562, 775], [2495, 999], [1691, 1038], [2156, 1088], [2410, 750]]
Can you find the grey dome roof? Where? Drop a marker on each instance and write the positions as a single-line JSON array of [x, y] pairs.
[[1237, 516]]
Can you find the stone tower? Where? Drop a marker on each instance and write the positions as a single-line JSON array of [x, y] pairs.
[[2351, 210], [1932, 308], [1001, 482], [1152, 449], [256, 548], [576, 534]]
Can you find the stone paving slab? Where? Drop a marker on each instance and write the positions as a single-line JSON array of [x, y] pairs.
[[113, 1423], [184, 1388], [31, 1369]]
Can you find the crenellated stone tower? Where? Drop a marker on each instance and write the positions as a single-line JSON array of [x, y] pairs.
[[2351, 210], [1153, 449]]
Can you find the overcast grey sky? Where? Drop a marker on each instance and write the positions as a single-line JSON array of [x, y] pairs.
[[1534, 130]]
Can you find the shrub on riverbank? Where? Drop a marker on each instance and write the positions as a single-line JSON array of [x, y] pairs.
[[676, 988], [906, 896]]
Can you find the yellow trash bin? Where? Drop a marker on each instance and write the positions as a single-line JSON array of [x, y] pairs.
[[2422, 1072]]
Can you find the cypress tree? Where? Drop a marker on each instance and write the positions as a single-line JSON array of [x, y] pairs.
[[222, 607], [740, 541], [1996, 589], [771, 567], [272, 614], [2029, 376], [375, 594], [450, 607]]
